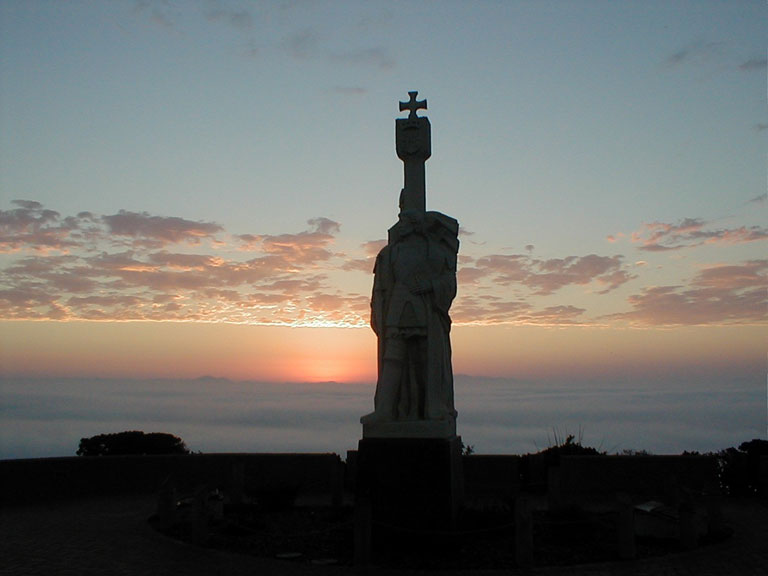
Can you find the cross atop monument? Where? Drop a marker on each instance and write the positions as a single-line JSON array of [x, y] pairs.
[[413, 105], [413, 143]]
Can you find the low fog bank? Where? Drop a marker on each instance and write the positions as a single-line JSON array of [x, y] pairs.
[[47, 417]]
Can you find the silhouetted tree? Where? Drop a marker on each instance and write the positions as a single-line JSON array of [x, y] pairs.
[[740, 468], [131, 442]]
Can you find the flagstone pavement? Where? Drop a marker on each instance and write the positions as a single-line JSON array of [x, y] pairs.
[[111, 536]]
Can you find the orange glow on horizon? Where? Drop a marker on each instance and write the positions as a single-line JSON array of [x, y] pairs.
[[187, 350], [147, 350]]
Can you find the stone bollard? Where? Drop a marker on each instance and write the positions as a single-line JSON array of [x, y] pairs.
[[625, 527], [363, 530], [715, 521], [688, 536], [554, 490], [523, 532], [236, 486], [166, 505], [337, 488], [199, 524]]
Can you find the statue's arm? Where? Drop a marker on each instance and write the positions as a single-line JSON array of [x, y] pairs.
[[378, 297], [444, 285]]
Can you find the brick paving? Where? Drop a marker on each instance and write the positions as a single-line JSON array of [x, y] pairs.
[[111, 536]]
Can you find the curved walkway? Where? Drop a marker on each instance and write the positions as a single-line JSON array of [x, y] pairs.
[[111, 536]]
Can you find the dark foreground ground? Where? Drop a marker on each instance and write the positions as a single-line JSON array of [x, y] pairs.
[[111, 535]]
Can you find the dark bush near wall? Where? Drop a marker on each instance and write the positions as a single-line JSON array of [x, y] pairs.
[[535, 467], [740, 469], [131, 443]]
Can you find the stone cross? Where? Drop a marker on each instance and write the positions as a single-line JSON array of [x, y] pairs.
[[413, 105], [413, 142]]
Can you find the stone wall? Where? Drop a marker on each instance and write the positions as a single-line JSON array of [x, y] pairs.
[[495, 476], [303, 475], [664, 478], [324, 477]]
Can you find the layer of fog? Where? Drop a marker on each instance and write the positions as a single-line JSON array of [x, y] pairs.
[[41, 418]]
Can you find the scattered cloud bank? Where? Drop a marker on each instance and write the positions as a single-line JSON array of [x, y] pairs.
[[136, 266], [140, 266], [696, 52], [691, 232], [256, 24], [758, 64], [544, 277], [719, 294]]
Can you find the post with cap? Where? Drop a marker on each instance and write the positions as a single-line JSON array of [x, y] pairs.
[[413, 142]]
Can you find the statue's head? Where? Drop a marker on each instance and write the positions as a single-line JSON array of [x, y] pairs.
[[412, 217]]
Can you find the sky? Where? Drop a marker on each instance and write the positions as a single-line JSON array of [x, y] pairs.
[[198, 189]]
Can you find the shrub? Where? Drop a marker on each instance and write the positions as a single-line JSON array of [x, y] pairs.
[[131, 442], [740, 468]]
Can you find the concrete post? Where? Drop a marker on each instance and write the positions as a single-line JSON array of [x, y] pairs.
[[363, 529], [523, 532], [625, 527], [688, 536]]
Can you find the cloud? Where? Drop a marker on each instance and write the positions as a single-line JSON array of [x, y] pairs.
[[302, 44], [239, 19], [377, 57], [306, 247], [373, 247], [694, 53], [486, 309], [350, 90], [359, 264], [31, 225], [324, 225], [718, 294], [677, 57], [337, 302], [308, 44], [371, 250], [557, 273], [503, 289], [489, 310], [754, 64], [158, 13], [691, 232], [545, 277], [138, 266], [155, 231]]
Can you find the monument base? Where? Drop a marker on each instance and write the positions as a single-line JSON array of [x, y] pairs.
[[409, 429], [412, 488]]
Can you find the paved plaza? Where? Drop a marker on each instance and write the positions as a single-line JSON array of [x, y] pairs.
[[112, 536]]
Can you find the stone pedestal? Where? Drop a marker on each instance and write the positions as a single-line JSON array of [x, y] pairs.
[[410, 429], [413, 488]]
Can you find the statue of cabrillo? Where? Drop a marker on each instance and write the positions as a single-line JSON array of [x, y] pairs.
[[414, 286]]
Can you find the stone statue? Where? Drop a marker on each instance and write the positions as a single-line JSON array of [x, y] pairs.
[[414, 286]]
